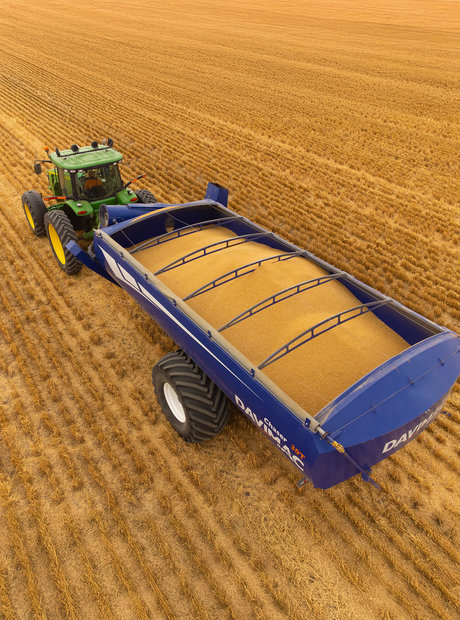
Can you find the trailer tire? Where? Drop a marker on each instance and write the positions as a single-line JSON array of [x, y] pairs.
[[145, 196], [195, 407], [59, 232], [34, 210]]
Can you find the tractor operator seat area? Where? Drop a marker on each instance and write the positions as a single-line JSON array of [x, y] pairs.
[[95, 183]]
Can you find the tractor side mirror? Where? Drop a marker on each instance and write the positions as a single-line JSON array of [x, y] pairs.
[[37, 168]]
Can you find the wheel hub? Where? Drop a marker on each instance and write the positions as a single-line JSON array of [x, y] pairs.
[[173, 402]]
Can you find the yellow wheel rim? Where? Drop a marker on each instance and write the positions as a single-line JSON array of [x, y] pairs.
[[56, 244], [29, 216]]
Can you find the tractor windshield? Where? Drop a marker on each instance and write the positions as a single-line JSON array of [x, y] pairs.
[[96, 183]]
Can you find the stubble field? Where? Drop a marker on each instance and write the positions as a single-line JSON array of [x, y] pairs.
[[336, 125]]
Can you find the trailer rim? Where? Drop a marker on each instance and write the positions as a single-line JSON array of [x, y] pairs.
[[174, 403]]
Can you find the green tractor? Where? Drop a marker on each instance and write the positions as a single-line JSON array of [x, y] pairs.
[[82, 178]]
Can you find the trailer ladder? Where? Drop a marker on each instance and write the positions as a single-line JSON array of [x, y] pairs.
[[312, 332], [281, 296], [239, 271], [211, 249], [185, 230]]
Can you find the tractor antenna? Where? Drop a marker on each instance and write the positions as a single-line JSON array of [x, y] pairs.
[[57, 152]]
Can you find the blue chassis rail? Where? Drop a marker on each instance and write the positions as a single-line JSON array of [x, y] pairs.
[[368, 422]]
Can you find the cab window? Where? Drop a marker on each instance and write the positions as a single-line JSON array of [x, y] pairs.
[[65, 182], [96, 183]]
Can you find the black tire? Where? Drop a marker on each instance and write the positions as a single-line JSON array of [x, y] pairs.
[[34, 210], [59, 232], [202, 409], [145, 196]]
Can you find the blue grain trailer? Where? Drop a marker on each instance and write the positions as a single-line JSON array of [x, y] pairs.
[[336, 375]]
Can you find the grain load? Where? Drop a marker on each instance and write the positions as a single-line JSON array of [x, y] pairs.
[[313, 374]]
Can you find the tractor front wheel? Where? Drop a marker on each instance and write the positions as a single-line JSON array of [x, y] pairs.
[[195, 407], [34, 210], [144, 196], [59, 232]]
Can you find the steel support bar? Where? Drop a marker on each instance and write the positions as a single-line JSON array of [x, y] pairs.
[[211, 249], [286, 293], [87, 260], [185, 230], [239, 271], [312, 332]]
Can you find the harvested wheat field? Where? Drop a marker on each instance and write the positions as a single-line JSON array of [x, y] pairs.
[[335, 124]]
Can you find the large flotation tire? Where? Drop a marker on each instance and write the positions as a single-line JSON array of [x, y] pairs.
[[193, 404]]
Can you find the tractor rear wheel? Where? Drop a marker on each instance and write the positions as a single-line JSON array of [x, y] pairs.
[[59, 232], [195, 407], [144, 196], [35, 210]]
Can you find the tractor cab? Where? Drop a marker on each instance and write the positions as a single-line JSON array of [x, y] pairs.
[[86, 173]]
